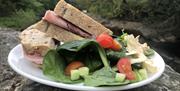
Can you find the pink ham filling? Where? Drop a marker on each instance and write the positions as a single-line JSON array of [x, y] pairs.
[[36, 58], [53, 18]]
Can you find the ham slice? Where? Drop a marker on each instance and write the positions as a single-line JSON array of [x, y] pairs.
[[52, 18], [35, 58]]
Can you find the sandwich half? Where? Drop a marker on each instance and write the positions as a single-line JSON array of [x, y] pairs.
[[35, 45], [66, 23], [78, 18]]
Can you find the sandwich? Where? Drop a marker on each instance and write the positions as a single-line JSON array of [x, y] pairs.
[[35, 45], [66, 23], [70, 21]]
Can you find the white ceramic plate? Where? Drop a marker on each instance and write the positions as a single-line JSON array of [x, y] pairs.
[[27, 69]]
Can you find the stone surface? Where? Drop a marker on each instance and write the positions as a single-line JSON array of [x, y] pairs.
[[167, 31], [11, 81]]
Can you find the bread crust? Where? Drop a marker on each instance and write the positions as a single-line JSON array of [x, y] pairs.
[[35, 41], [54, 31], [78, 18], [61, 34], [41, 25]]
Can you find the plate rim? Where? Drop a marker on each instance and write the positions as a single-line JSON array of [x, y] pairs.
[[76, 87]]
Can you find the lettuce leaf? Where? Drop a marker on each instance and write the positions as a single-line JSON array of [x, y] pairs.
[[53, 67], [79, 45], [104, 76], [54, 62], [115, 55]]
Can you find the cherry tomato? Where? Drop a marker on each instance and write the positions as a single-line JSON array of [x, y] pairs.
[[116, 45], [73, 65], [105, 40], [124, 66]]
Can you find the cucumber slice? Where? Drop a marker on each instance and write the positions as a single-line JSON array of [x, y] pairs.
[[83, 71], [75, 74], [138, 77], [120, 77], [143, 73]]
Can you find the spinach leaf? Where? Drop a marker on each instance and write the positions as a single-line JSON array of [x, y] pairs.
[[115, 55], [53, 67], [88, 55], [104, 76], [92, 60], [54, 63], [68, 55], [78, 45]]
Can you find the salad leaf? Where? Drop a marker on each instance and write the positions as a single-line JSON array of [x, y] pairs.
[[53, 67], [115, 55], [78, 45], [138, 76], [89, 56], [104, 76], [93, 62], [122, 38], [54, 61], [149, 52]]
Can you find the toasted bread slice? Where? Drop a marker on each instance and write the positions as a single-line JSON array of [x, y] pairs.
[[34, 40], [41, 25], [61, 34], [78, 18], [54, 31]]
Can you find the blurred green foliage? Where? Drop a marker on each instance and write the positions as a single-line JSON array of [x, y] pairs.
[[134, 10], [19, 19], [22, 13]]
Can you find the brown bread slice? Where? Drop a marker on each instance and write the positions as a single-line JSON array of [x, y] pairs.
[[78, 18], [61, 34], [34, 40], [41, 25], [54, 31]]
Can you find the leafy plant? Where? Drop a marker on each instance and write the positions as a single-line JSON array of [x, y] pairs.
[[21, 13], [134, 10], [19, 19]]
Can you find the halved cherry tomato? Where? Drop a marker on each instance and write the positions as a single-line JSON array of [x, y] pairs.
[[124, 66], [116, 45], [73, 65], [105, 40]]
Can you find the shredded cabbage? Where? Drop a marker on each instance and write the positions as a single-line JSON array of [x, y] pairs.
[[134, 46]]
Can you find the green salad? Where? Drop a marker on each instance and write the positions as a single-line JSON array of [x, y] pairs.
[[104, 61]]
